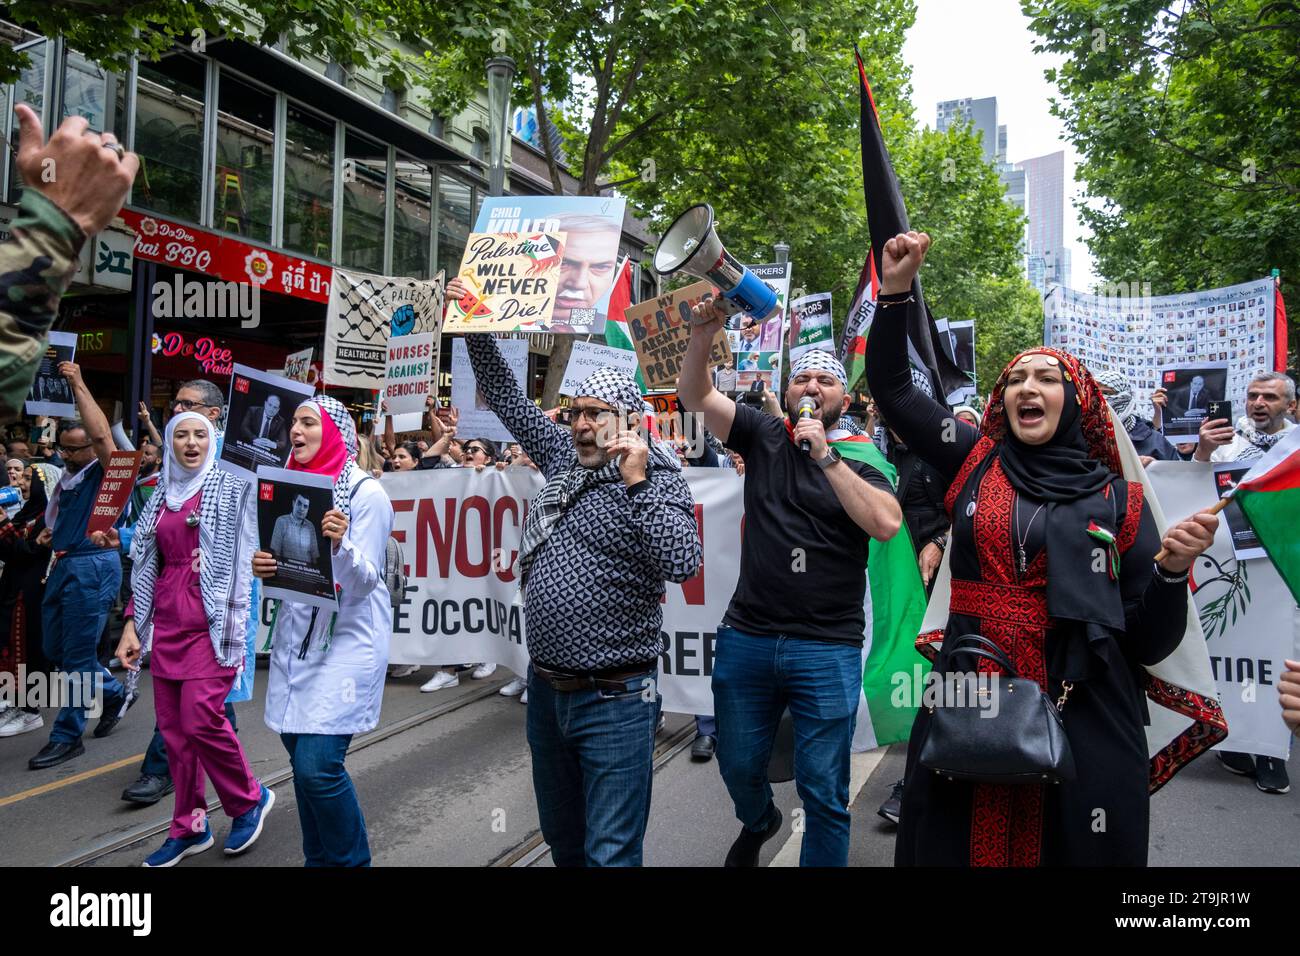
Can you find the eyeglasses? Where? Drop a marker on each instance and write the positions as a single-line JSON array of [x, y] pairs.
[[475, 450], [597, 416], [65, 449], [187, 405]]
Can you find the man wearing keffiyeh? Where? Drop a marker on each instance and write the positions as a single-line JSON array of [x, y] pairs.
[[1150, 444], [614, 521], [793, 633]]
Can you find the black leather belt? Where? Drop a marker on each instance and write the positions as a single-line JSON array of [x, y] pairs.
[[567, 683]]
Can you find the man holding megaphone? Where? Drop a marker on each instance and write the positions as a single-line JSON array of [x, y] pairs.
[[792, 635]]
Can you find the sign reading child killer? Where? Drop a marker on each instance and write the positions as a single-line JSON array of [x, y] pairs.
[[114, 490], [661, 331], [408, 374], [512, 280]]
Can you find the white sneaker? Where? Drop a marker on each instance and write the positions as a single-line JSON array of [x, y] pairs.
[[483, 671], [439, 681], [403, 670], [8, 715], [523, 698], [514, 688], [23, 723]]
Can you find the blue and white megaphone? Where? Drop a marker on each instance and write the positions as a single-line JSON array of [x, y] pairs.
[[692, 246]]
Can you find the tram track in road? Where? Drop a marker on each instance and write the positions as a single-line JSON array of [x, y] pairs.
[[534, 848], [285, 774]]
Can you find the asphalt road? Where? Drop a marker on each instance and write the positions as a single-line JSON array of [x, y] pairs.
[[455, 790]]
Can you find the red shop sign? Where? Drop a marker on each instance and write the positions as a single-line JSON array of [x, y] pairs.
[[159, 240]]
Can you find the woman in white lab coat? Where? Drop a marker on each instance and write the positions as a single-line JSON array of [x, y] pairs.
[[327, 668]]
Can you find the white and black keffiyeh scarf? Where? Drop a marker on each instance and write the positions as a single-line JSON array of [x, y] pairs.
[[620, 393], [1121, 402], [1261, 442], [227, 539], [816, 360]]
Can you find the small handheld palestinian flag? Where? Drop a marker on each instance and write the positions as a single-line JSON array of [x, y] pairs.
[[1107, 538], [897, 608], [1269, 497]]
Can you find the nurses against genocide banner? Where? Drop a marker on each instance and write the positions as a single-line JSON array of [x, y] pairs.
[[364, 310]]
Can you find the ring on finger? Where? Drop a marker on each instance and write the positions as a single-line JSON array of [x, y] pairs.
[[116, 149]]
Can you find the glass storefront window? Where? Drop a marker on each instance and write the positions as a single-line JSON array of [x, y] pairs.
[[245, 151], [92, 92], [29, 88], [364, 191], [413, 214], [454, 198], [169, 135], [308, 183]]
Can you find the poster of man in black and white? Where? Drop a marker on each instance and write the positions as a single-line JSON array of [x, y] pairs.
[[1245, 543], [258, 417], [1191, 388], [290, 506], [50, 393]]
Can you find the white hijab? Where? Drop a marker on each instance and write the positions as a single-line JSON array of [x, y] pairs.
[[180, 484]]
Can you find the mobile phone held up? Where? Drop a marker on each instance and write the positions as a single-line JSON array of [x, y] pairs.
[[1219, 409]]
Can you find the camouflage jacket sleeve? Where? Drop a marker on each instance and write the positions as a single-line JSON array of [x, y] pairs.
[[36, 265]]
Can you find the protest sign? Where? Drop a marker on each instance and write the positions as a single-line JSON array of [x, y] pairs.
[[290, 506], [364, 310], [1245, 543], [810, 325], [259, 413], [757, 345], [50, 393], [661, 331], [297, 365], [512, 280], [592, 226], [476, 418], [1191, 388], [114, 490], [460, 531], [1246, 612], [587, 357], [1140, 336], [409, 372]]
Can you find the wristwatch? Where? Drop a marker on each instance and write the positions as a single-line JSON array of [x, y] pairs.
[[831, 458]]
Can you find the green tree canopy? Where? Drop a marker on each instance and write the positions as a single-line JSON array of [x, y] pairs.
[[1187, 125]]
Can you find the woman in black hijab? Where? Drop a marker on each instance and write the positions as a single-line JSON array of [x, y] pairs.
[[1038, 486]]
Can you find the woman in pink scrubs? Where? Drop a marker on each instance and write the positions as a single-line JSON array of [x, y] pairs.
[[190, 580]]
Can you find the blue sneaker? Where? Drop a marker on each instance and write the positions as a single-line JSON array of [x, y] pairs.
[[175, 849], [247, 827]]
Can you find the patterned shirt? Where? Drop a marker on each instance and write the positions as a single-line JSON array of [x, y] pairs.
[[593, 593], [36, 265]]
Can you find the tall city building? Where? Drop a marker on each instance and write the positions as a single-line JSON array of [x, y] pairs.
[[982, 115], [1049, 258]]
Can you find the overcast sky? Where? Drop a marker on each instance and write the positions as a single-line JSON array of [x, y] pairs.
[[978, 48]]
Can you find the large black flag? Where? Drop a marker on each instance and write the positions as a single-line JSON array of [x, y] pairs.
[[886, 218]]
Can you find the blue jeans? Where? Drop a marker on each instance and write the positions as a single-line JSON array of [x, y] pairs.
[[593, 764], [155, 758], [78, 595], [333, 829], [755, 677]]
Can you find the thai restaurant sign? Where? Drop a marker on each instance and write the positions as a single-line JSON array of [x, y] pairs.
[[224, 257]]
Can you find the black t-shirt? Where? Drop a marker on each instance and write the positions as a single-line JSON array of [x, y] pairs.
[[815, 592]]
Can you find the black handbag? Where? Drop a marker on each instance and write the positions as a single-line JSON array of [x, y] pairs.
[[1021, 741]]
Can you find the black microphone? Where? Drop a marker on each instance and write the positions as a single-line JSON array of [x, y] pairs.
[[806, 408]]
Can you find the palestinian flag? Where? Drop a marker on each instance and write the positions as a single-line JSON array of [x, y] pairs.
[[886, 218], [853, 346], [616, 334], [1269, 497], [897, 607]]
